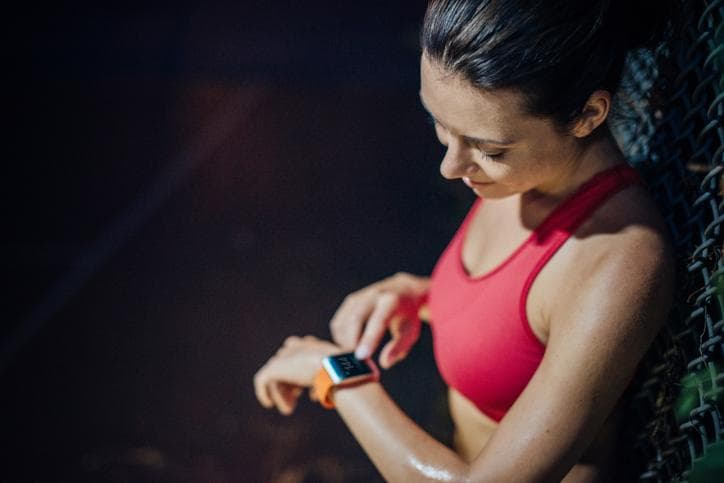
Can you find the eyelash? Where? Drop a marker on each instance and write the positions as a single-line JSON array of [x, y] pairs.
[[434, 123], [490, 156]]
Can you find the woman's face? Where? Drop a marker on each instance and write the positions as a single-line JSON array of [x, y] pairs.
[[492, 144]]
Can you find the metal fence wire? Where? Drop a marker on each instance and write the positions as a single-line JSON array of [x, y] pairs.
[[671, 110]]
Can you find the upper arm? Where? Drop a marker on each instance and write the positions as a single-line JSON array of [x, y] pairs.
[[597, 338]]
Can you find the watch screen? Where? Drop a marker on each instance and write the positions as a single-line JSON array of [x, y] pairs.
[[347, 365]]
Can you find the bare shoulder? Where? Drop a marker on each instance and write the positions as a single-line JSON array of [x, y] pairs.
[[628, 227], [610, 297], [620, 256]]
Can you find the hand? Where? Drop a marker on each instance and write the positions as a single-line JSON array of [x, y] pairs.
[[392, 303], [283, 378]]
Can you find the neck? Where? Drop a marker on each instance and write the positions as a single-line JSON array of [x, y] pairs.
[[595, 155]]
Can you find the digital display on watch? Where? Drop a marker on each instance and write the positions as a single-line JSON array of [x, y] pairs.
[[346, 366]]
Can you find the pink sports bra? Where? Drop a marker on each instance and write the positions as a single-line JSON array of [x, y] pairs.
[[483, 344]]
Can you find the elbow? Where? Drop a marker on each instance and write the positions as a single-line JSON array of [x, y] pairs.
[[434, 472]]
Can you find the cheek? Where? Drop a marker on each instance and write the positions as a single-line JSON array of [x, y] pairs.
[[498, 171], [517, 175]]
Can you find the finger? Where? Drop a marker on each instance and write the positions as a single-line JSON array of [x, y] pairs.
[[260, 389], [388, 357], [376, 325], [291, 394], [348, 321], [279, 401], [405, 333], [424, 313], [392, 350]]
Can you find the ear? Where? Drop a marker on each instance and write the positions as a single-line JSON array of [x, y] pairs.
[[593, 114]]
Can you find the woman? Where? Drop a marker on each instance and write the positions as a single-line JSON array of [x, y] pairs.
[[555, 284]]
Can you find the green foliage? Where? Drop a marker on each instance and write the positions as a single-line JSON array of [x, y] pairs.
[[709, 468], [698, 388]]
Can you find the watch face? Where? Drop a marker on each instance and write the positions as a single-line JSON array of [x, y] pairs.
[[345, 367]]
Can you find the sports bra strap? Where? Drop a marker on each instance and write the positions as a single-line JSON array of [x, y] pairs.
[[589, 196]]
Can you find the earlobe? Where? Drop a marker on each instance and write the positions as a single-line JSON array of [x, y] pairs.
[[594, 113]]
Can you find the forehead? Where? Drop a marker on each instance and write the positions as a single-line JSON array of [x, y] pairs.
[[459, 105]]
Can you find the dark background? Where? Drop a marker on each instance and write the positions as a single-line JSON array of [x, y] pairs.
[[185, 185]]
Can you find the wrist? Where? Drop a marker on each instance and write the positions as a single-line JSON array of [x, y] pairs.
[[339, 395], [342, 370]]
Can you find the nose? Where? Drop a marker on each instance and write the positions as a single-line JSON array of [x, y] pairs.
[[457, 161]]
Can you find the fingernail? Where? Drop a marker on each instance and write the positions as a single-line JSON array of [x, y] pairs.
[[362, 352]]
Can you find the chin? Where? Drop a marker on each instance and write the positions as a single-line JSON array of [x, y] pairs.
[[493, 191]]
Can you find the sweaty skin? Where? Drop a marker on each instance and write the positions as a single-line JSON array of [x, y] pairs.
[[474, 429], [619, 255], [596, 305], [432, 473], [518, 449]]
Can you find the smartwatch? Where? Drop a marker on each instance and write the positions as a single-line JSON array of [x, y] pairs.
[[342, 370]]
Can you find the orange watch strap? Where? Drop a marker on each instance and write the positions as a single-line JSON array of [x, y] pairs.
[[323, 387]]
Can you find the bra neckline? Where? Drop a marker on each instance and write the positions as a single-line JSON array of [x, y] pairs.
[[534, 233]]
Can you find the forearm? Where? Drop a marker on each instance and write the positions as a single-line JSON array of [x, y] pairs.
[[399, 448]]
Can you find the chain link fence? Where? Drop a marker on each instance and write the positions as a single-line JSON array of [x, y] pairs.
[[671, 128]]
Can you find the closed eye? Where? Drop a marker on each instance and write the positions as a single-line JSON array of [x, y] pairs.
[[493, 156], [472, 142], [497, 155]]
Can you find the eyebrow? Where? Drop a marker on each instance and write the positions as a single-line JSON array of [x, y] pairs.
[[471, 139]]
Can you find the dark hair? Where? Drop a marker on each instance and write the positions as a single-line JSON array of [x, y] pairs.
[[554, 52]]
